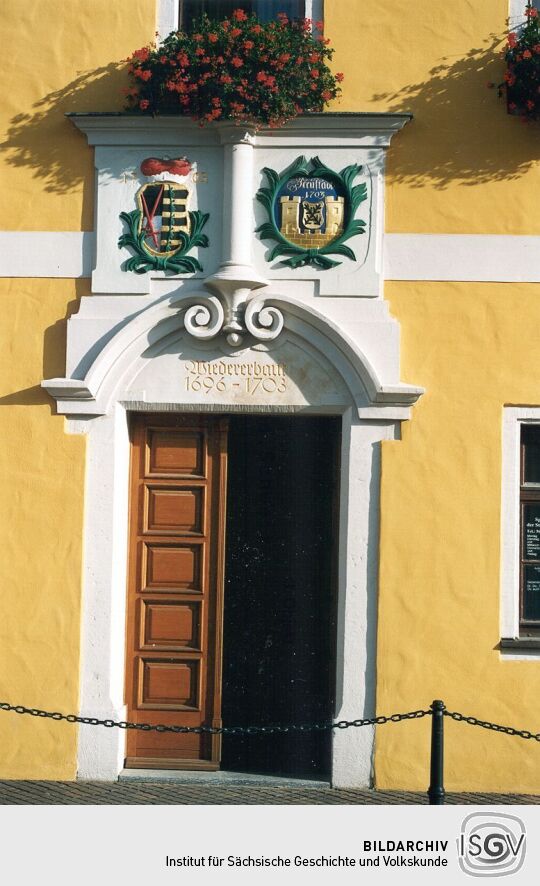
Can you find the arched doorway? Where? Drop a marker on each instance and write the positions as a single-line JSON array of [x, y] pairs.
[[153, 365]]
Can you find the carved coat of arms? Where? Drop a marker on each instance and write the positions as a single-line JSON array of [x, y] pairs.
[[311, 211], [162, 230]]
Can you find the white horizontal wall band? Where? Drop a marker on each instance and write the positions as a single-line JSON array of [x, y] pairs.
[[46, 254], [496, 258]]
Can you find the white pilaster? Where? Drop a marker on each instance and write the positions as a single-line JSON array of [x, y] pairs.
[[104, 593], [357, 597]]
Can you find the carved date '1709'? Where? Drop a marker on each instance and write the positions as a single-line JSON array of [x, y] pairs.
[[236, 378]]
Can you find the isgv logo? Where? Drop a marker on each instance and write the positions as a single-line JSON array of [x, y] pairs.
[[491, 845]]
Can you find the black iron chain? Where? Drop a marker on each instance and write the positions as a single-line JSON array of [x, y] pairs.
[[495, 727], [214, 730], [267, 730]]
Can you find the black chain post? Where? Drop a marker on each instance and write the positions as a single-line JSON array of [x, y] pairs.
[[436, 792]]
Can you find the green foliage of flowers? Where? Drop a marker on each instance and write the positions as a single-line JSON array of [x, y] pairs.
[[522, 75], [237, 69]]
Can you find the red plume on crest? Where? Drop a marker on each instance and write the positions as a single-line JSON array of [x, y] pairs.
[[153, 166]]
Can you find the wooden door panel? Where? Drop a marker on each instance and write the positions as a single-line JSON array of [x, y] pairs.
[[173, 566], [175, 597], [175, 453], [166, 683], [170, 624], [193, 747], [175, 510]]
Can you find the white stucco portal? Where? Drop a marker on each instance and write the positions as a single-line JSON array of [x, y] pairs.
[[140, 369]]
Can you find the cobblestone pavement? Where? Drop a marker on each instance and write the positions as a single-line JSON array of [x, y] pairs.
[[156, 793]]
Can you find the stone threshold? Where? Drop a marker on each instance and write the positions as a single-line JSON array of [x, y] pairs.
[[183, 776]]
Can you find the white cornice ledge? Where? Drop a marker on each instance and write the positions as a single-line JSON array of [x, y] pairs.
[[70, 391], [326, 129]]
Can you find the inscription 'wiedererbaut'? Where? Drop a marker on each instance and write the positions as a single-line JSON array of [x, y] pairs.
[[247, 370]]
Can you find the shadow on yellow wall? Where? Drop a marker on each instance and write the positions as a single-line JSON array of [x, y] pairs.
[[462, 133], [53, 340], [31, 138], [43, 141]]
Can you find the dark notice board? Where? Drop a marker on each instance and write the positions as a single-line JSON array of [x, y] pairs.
[[531, 593], [531, 532]]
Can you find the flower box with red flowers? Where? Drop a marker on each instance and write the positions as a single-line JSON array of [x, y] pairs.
[[522, 75], [238, 69]]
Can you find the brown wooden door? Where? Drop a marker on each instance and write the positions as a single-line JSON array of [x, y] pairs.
[[175, 599]]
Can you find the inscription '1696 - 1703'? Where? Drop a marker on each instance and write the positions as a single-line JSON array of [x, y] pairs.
[[222, 377]]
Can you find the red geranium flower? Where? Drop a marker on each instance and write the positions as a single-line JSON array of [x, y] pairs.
[[142, 55], [196, 74]]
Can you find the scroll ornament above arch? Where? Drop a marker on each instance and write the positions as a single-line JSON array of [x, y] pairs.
[[202, 317]]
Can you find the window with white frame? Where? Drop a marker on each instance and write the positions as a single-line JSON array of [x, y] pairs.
[[188, 10], [174, 14], [516, 12], [529, 505], [520, 524]]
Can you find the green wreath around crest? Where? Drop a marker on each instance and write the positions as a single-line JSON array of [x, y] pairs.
[[178, 262], [355, 195]]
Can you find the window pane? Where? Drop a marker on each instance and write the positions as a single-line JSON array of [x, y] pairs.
[[530, 439], [218, 9], [531, 593]]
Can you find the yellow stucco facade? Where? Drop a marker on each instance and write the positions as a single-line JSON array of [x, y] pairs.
[[440, 535], [461, 167], [47, 170], [41, 529]]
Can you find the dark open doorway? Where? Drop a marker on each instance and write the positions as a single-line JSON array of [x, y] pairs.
[[279, 615]]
